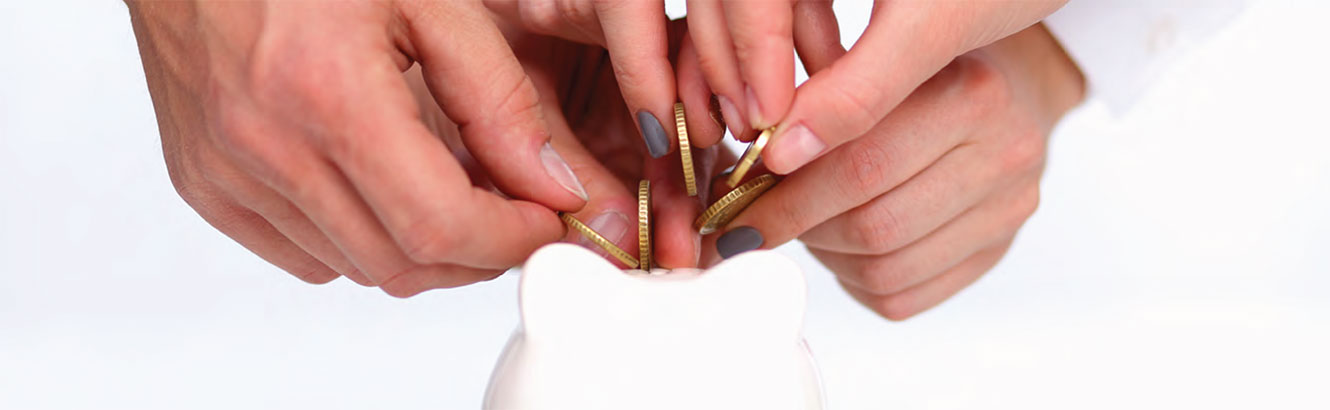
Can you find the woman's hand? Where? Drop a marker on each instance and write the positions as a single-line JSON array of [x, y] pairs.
[[642, 45], [746, 48], [289, 127], [931, 197], [580, 95]]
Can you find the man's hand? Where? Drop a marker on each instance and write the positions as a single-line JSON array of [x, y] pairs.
[[931, 197], [580, 93], [289, 127]]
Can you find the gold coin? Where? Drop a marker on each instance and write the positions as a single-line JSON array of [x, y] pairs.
[[729, 206], [644, 224], [689, 180], [599, 240], [750, 156]]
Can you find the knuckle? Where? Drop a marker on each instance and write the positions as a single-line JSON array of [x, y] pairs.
[[575, 13], [316, 274], [518, 102], [714, 66], [400, 289], [760, 40], [1025, 207], [627, 75], [883, 276], [896, 307], [1025, 152], [540, 16], [876, 229], [983, 86], [866, 168], [856, 105], [426, 241], [790, 215]]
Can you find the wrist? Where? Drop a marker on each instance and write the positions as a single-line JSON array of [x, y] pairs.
[[1033, 57]]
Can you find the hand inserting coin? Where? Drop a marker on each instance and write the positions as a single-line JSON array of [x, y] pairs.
[[714, 218]]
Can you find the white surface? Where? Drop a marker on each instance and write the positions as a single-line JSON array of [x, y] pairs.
[[594, 337], [1123, 46], [1179, 259]]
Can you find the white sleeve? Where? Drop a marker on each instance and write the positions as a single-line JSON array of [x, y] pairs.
[[1122, 46]]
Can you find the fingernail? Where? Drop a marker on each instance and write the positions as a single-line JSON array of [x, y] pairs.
[[730, 113], [754, 110], [714, 109], [658, 144], [611, 224], [559, 170], [737, 241], [791, 150]]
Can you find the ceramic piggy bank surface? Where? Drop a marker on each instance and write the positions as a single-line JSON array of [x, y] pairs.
[[596, 337]]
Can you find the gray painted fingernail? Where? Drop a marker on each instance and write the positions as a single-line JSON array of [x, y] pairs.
[[737, 241], [658, 144]]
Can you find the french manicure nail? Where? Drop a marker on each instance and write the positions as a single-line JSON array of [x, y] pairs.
[[792, 149], [730, 113], [559, 170], [610, 224], [658, 144], [754, 110], [737, 241]]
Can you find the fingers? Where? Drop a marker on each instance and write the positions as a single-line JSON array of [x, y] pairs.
[[816, 34], [764, 51], [611, 210], [639, 51], [904, 44], [279, 213], [422, 278], [891, 59], [912, 301], [716, 57], [910, 140], [992, 222], [906, 213], [256, 234], [677, 243], [706, 123], [476, 79]]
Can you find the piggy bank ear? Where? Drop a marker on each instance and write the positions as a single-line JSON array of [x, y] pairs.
[[762, 293], [564, 289]]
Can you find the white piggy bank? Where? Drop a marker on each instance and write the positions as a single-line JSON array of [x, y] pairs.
[[596, 337]]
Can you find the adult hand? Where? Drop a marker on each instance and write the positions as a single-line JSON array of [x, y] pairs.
[[289, 127], [931, 197], [641, 43], [746, 48], [591, 126]]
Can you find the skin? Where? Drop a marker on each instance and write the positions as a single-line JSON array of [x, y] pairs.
[[932, 196], [580, 94], [262, 140], [290, 127], [746, 49]]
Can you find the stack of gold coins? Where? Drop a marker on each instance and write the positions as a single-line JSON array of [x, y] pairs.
[[713, 219]]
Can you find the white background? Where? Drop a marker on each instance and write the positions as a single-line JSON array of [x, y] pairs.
[[1179, 258]]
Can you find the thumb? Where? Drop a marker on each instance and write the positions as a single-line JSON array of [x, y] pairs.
[[476, 79]]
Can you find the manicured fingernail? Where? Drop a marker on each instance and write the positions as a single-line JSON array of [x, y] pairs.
[[610, 224], [737, 241], [716, 116], [559, 170], [792, 149], [755, 110], [658, 144], [730, 113]]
